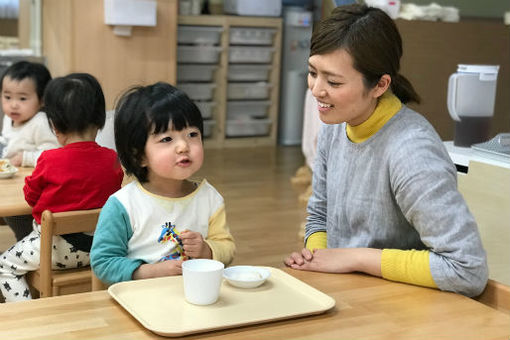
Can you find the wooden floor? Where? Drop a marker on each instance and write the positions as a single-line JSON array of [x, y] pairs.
[[262, 207]]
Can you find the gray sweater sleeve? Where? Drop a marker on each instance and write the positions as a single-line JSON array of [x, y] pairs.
[[317, 203], [425, 187]]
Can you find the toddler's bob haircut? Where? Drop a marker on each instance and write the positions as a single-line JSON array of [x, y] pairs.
[[145, 110], [75, 103]]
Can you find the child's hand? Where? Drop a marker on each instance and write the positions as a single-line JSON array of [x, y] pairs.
[[17, 159], [159, 269], [171, 267], [194, 245]]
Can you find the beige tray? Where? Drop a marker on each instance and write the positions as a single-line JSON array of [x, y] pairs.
[[159, 305]]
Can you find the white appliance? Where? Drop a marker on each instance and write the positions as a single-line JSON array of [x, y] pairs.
[[297, 32], [471, 98], [270, 8]]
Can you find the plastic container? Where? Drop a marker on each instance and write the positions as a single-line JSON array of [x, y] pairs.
[[194, 72], [243, 110], [248, 72], [247, 128], [204, 54], [258, 90], [250, 54], [251, 36], [206, 108], [208, 127], [198, 91], [199, 34]]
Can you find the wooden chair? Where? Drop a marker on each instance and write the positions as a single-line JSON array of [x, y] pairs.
[[496, 295], [96, 283], [50, 282]]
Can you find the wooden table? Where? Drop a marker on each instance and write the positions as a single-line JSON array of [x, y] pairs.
[[12, 199], [366, 308]]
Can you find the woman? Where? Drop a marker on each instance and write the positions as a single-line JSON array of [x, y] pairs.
[[385, 199]]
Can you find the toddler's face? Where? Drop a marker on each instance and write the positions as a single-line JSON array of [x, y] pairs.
[[19, 100], [173, 155]]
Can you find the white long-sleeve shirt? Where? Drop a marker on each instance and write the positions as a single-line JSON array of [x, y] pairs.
[[32, 138]]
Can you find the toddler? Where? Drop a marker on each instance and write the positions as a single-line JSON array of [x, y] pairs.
[[81, 175], [25, 129], [151, 225]]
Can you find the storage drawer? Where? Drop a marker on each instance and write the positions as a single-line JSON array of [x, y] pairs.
[[206, 108], [251, 35], [242, 110], [194, 72], [199, 34], [246, 128], [198, 91], [248, 72], [248, 90], [203, 54], [251, 54], [208, 127]]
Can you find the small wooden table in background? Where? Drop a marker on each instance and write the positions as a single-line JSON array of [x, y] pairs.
[[366, 308], [12, 199]]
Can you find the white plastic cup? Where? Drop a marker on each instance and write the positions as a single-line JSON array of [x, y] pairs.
[[202, 280]]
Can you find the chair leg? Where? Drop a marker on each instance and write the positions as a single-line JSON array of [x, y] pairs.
[[96, 283]]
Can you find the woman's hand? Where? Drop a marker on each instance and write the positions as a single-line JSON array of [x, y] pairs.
[[295, 260], [194, 245], [339, 260], [165, 268]]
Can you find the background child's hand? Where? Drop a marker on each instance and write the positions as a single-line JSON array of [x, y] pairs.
[[17, 159], [194, 245]]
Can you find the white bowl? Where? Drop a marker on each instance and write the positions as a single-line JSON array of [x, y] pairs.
[[6, 169], [246, 276]]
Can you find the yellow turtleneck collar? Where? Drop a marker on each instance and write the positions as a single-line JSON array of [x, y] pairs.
[[387, 107]]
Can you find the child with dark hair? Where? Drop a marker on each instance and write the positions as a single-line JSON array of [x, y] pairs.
[[151, 225], [81, 175], [25, 130]]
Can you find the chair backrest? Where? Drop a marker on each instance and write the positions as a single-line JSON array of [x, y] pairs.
[[61, 223]]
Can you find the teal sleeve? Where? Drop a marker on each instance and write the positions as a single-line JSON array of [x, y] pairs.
[[110, 244]]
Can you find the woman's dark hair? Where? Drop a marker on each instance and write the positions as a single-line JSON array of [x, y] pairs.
[[28, 70], [372, 39], [144, 110], [75, 103]]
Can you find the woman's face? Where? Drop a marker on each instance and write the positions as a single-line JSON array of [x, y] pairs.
[[339, 89]]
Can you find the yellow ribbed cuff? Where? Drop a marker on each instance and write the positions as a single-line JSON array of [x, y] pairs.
[[410, 266], [318, 240]]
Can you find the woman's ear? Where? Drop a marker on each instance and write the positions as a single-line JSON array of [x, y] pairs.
[[382, 85]]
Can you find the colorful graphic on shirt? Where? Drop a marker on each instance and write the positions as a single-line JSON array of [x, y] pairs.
[[169, 233]]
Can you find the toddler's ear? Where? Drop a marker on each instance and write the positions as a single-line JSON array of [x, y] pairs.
[[143, 162]]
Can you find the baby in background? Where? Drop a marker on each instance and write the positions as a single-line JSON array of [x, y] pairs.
[[152, 224], [25, 131], [80, 175]]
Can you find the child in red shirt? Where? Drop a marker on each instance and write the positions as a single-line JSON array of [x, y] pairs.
[[80, 175]]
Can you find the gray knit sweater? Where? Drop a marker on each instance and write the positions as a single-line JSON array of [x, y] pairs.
[[397, 190]]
